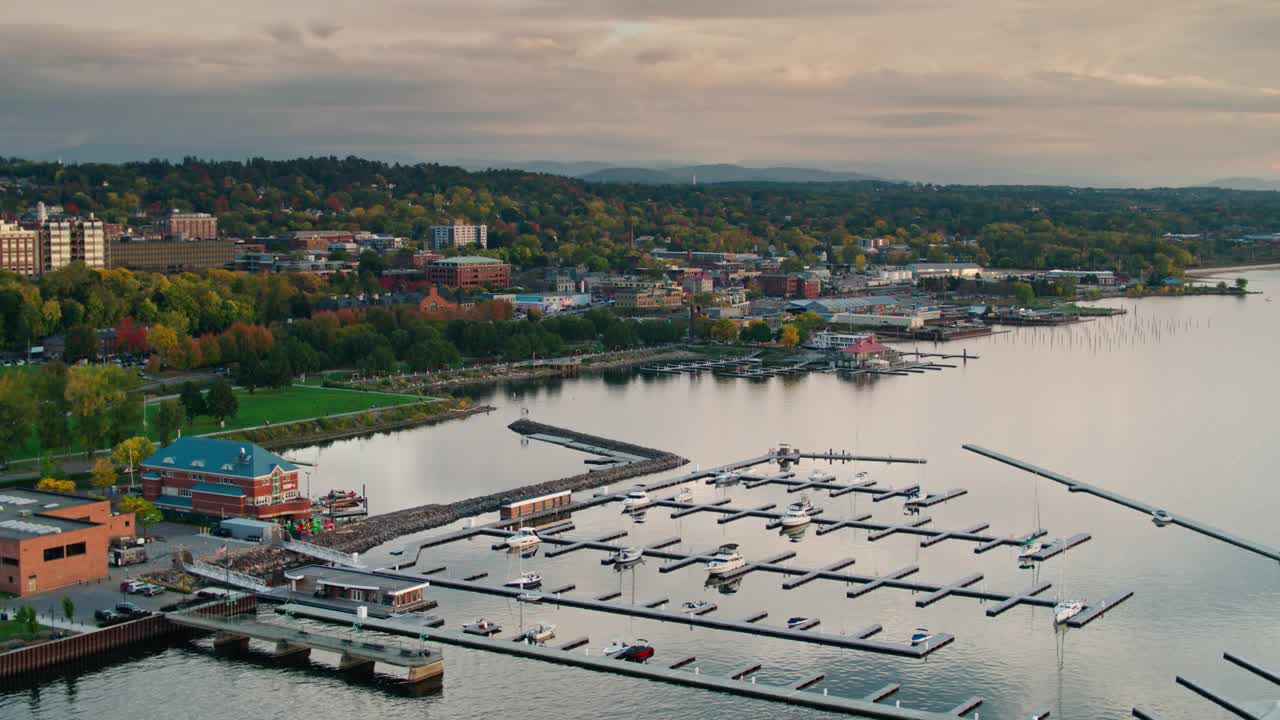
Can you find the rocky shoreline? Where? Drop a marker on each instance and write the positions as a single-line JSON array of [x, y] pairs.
[[362, 535]]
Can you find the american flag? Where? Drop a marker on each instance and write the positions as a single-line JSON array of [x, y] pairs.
[[220, 551]]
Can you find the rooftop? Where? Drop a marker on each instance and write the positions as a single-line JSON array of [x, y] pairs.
[[219, 457], [468, 260], [20, 509], [351, 578]]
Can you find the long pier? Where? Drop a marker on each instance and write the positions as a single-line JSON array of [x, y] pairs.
[[1247, 711], [676, 673], [1147, 509]]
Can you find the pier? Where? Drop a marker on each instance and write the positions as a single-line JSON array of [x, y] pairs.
[[1147, 509], [1246, 710]]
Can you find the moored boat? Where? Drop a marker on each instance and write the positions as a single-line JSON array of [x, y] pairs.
[[482, 627], [795, 518], [526, 581], [921, 636], [1066, 609], [636, 498], [523, 538], [821, 476], [726, 560]]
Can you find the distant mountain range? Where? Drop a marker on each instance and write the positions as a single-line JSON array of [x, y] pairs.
[[685, 175], [1245, 183]]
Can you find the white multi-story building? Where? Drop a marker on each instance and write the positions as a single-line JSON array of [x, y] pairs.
[[458, 235], [66, 240], [19, 249], [826, 340]]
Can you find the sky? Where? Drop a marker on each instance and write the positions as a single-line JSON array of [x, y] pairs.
[[1143, 92]]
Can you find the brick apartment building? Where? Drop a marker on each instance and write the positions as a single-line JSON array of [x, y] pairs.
[[190, 226], [790, 285], [19, 249], [470, 272], [51, 540], [223, 478]]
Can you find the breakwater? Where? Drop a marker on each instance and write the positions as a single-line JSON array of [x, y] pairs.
[[362, 535]]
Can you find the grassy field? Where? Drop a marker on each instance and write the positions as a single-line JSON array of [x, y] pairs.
[[284, 405], [11, 629]]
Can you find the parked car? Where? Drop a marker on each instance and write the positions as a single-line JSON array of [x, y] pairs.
[[152, 590], [103, 615], [129, 609], [135, 587]]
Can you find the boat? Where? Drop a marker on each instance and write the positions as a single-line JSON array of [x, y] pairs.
[[1161, 518], [340, 500], [727, 478], [534, 598], [694, 606], [639, 651], [726, 560], [1066, 609], [398, 551], [860, 476], [482, 627], [527, 580], [626, 557], [821, 476], [684, 496], [795, 622], [541, 633], [636, 498], [921, 636], [803, 505], [1030, 550], [795, 518], [523, 538]]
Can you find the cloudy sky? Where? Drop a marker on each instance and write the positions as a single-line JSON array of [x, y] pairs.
[[1084, 91]]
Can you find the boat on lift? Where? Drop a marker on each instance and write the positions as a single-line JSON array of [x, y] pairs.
[[636, 498], [821, 476], [527, 581], [795, 518], [523, 539], [482, 627], [1066, 609], [921, 636], [726, 560]]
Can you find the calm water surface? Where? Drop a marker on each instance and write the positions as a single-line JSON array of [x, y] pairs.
[[1173, 403]]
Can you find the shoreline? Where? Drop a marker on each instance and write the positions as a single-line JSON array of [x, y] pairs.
[[1203, 271]]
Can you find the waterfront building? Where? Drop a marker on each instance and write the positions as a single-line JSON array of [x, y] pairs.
[[173, 256], [827, 307], [51, 540], [459, 235], [223, 478], [19, 249], [189, 226], [381, 594], [827, 340], [470, 271]]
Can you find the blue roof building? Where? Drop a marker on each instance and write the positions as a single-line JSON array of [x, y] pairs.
[[223, 478]]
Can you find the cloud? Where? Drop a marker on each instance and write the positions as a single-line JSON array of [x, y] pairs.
[[987, 90]]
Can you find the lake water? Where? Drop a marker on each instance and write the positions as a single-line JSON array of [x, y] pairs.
[[1173, 403]]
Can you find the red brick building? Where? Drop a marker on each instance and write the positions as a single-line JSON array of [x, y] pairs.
[[470, 272], [51, 540], [191, 226], [790, 286], [223, 478]]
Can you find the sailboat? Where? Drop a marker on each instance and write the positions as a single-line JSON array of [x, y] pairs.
[[1065, 609]]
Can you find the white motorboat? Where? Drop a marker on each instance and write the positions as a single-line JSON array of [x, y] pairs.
[[803, 505], [694, 606], [482, 627], [523, 539], [1161, 518], [685, 495], [526, 581], [726, 560], [795, 518], [627, 557], [616, 647], [636, 498], [921, 636], [796, 622], [1066, 609], [541, 633], [821, 476], [727, 478]]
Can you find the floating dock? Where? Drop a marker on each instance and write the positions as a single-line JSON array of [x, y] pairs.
[[1246, 710]]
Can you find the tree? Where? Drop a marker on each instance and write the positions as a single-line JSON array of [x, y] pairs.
[[49, 388], [724, 330], [860, 262], [51, 484], [164, 341], [791, 265], [103, 474], [82, 343], [790, 336], [222, 401], [68, 608], [99, 401], [145, 513], [1023, 293], [381, 360], [278, 371], [27, 620], [756, 331], [249, 373], [192, 400], [169, 419], [132, 451], [1242, 283], [16, 408]]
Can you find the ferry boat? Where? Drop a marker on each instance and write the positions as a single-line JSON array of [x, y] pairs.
[[726, 560], [527, 581], [1066, 609], [636, 498], [482, 627], [821, 476], [921, 636], [523, 539], [795, 518]]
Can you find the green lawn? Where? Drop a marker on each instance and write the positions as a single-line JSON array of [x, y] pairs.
[[292, 403], [10, 629]]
